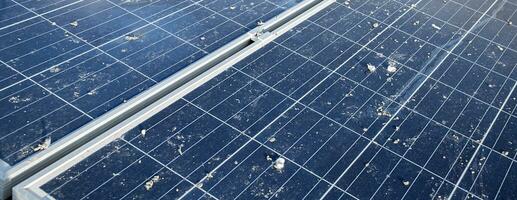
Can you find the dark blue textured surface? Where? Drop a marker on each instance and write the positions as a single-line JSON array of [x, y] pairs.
[[344, 132], [65, 63]]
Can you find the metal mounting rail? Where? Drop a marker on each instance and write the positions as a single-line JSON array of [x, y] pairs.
[[86, 140]]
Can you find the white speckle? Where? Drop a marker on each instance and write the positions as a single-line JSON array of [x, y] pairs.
[[143, 132], [131, 37], [74, 23], [180, 151], [436, 27], [18, 99], [371, 68], [43, 145], [149, 184], [365, 129], [391, 67], [500, 48], [396, 141], [93, 92], [232, 7], [202, 38], [347, 3], [272, 140], [268, 158], [397, 128], [279, 164], [505, 153], [53, 23], [406, 183], [509, 22], [375, 25], [54, 69], [491, 85], [416, 23]]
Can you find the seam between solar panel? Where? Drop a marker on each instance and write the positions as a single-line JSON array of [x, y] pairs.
[[230, 96], [252, 138], [237, 15], [400, 108], [44, 13], [235, 44], [279, 62]]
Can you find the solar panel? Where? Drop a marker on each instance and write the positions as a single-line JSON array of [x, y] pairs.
[[66, 63], [364, 100]]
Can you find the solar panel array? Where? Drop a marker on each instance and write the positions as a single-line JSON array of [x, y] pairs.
[[377, 99], [64, 63]]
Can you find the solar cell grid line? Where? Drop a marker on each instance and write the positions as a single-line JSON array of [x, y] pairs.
[[52, 93], [507, 172], [186, 150], [95, 47], [451, 87], [454, 25], [472, 135], [14, 13], [85, 52], [480, 162], [471, 161], [470, 138], [398, 110], [292, 104], [502, 46], [424, 128], [32, 17], [165, 166], [261, 144], [293, 144]]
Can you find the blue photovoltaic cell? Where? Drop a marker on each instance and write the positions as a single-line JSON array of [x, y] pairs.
[[345, 133], [65, 63]]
